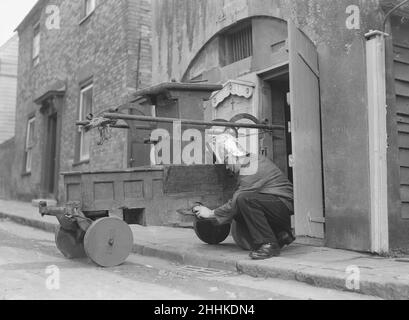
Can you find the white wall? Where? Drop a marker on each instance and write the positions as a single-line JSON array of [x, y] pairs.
[[8, 88]]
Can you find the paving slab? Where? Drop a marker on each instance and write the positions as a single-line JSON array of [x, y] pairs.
[[322, 267]]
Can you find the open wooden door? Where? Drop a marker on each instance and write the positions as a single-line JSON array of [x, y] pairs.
[[306, 135]]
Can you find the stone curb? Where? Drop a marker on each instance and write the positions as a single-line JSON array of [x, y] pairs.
[[42, 225], [328, 278], [185, 257], [324, 278]]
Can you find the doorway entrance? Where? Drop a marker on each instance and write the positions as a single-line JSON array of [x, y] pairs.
[[281, 115], [292, 100], [50, 180], [296, 150], [50, 168]]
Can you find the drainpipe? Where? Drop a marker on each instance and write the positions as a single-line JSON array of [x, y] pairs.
[[377, 117], [376, 77]]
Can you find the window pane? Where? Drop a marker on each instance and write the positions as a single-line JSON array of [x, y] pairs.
[[89, 6], [28, 160], [29, 143], [30, 133], [240, 45], [85, 145], [36, 46], [86, 103], [85, 110], [36, 42]]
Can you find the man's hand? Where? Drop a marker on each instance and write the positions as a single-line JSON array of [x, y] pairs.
[[203, 212]]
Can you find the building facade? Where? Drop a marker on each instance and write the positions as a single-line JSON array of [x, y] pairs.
[[8, 88], [330, 76], [75, 58], [307, 66]]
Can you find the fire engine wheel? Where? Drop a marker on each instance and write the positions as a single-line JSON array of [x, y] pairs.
[[69, 244], [210, 232], [245, 116], [242, 236], [223, 120], [108, 242]]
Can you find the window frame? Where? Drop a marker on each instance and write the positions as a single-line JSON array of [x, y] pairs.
[[237, 44], [29, 145], [82, 117], [35, 54], [91, 8]]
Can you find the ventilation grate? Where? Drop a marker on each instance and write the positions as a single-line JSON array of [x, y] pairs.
[[208, 272]]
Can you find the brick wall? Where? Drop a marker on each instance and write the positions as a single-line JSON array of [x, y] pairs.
[[103, 47]]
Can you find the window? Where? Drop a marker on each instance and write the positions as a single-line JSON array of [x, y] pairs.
[[239, 44], [84, 111], [29, 145], [36, 44], [89, 7]]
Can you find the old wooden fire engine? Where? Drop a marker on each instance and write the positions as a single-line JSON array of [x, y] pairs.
[[101, 205]]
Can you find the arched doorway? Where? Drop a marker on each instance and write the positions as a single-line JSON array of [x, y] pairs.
[[282, 67]]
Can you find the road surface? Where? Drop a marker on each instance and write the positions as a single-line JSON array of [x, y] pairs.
[[32, 268]]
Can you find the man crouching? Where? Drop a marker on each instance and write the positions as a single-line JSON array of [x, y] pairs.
[[262, 204]]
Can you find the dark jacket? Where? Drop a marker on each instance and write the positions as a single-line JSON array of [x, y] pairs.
[[269, 179]]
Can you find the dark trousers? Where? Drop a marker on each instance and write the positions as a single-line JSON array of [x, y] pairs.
[[264, 216]]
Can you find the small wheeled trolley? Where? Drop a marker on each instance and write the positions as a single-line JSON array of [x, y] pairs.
[[107, 241]]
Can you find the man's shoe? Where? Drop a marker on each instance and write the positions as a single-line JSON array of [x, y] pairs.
[[266, 251], [285, 239]]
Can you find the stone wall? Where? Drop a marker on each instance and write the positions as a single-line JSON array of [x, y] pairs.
[[183, 28]]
